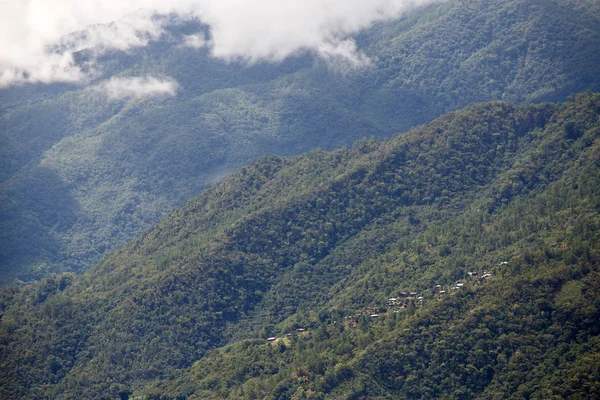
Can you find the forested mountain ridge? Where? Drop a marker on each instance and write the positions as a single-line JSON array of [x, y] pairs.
[[81, 175], [307, 242]]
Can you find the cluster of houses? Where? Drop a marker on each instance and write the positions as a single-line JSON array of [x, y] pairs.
[[484, 275], [275, 339], [472, 275], [401, 303], [404, 299]]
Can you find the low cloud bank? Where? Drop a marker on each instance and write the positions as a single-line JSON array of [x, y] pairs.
[[135, 87], [38, 37]]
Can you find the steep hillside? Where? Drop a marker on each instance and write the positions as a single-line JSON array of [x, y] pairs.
[[321, 242], [81, 175]]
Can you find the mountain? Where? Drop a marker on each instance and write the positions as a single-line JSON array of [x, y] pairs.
[[320, 243], [82, 175]]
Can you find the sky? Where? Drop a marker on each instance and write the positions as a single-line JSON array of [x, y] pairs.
[[38, 37]]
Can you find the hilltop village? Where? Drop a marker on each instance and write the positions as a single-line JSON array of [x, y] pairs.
[[405, 300], [408, 299]]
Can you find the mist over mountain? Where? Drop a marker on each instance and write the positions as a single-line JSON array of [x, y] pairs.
[[40, 40], [85, 169]]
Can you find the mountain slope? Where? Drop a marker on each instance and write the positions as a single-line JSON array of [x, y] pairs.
[[307, 241], [116, 167]]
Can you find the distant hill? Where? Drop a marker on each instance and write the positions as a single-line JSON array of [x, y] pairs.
[[321, 243], [81, 176]]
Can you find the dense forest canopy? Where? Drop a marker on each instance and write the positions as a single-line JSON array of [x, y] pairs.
[[81, 175], [458, 260], [422, 223]]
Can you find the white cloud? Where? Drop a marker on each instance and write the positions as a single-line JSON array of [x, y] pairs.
[[47, 69], [134, 87], [275, 29], [31, 31], [195, 41]]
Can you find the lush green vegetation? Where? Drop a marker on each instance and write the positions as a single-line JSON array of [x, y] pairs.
[[321, 242], [80, 175]]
